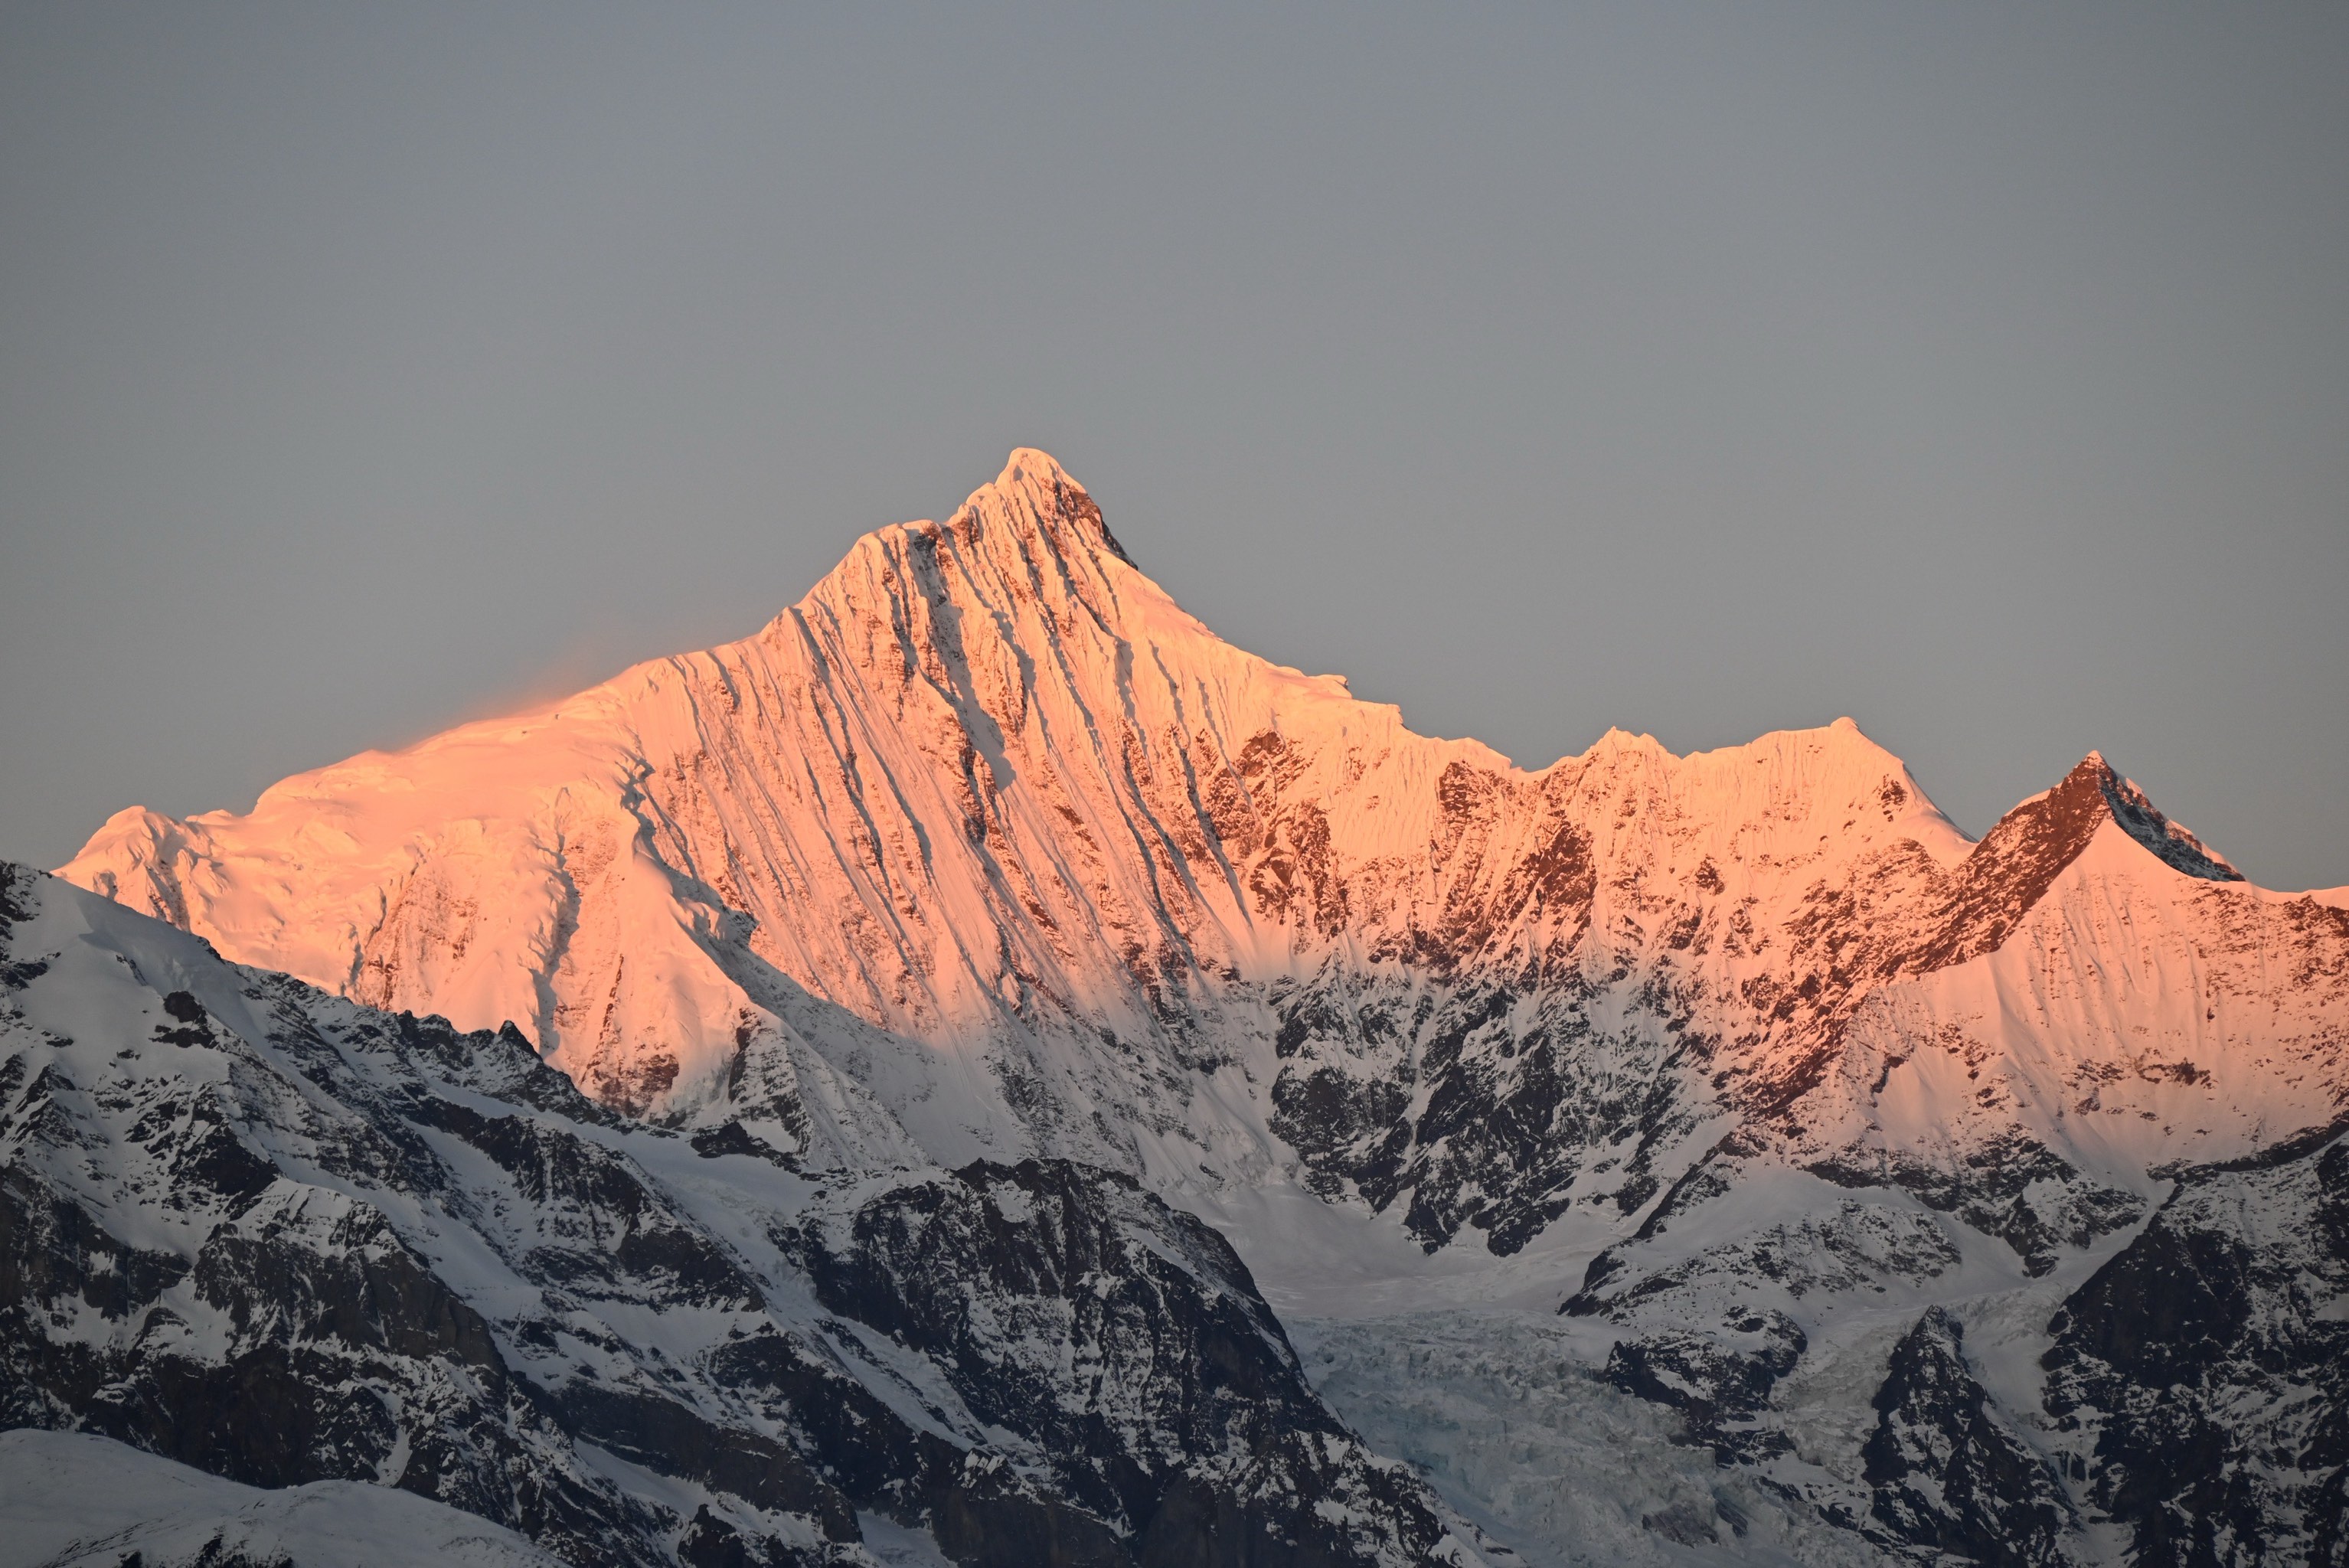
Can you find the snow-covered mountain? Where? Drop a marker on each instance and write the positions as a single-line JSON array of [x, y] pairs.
[[1819, 1121]]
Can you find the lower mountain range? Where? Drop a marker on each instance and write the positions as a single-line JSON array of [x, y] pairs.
[[983, 1072]]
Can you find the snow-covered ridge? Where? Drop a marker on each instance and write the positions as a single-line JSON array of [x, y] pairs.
[[986, 847], [1007, 679], [71, 1499]]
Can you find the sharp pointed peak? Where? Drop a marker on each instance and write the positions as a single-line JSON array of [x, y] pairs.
[[1032, 531], [2094, 790], [1038, 499]]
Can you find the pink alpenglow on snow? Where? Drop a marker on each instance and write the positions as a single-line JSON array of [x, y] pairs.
[[986, 847]]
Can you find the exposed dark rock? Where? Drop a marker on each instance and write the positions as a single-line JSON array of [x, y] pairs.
[[2013, 1187], [670, 1438], [2212, 1358], [1200, 1436], [733, 1137], [1717, 1379], [1947, 1473]]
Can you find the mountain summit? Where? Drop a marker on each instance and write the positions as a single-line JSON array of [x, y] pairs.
[[986, 850], [987, 803]]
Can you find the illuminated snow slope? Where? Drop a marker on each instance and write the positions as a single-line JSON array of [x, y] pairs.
[[986, 849]]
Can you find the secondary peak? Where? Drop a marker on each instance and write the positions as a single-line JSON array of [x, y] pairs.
[[2140, 818]]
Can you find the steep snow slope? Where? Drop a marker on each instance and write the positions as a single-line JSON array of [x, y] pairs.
[[986, 850]]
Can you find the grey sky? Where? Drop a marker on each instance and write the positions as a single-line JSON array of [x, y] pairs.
[[1979, 370]]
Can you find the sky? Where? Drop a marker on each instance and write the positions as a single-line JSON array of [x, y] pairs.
[[1980, 371]]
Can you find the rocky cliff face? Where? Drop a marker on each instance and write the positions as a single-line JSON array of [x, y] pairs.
[[2203, 1373], [1742, 1101]]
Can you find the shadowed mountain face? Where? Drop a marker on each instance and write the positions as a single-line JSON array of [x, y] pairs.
[[288, 1240], [985, 854]]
